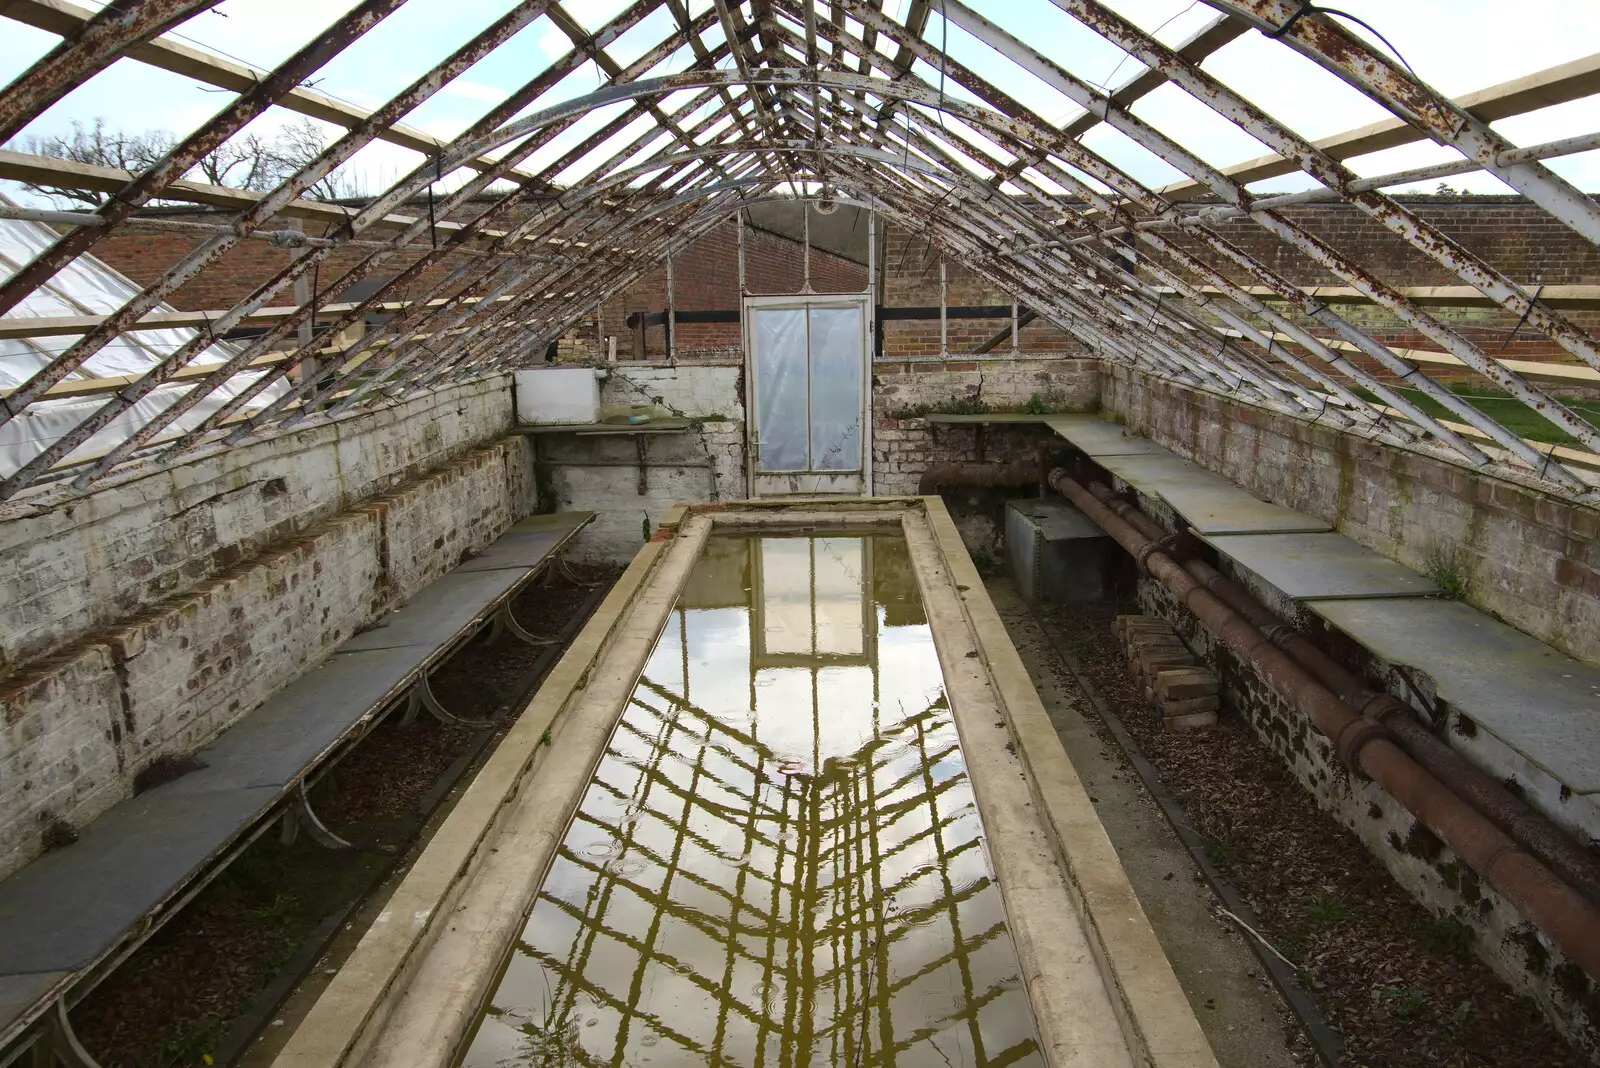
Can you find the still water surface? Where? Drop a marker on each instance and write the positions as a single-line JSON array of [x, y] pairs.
[[778, 861]]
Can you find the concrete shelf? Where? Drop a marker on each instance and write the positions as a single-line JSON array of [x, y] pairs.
[[1322, 566], [1541, 703], [655, 426]]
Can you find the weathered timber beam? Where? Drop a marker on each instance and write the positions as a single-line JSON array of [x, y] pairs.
[[60, 325], [46, 170], [1555, 85], [1579, 297], [63, 18], [1568, 374]]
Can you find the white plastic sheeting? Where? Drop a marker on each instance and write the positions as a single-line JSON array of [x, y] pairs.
[[809, 365], [782, 408], [89, 287], [837, 367]]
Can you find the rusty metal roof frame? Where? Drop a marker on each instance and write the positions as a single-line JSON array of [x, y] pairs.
[[753, 100]]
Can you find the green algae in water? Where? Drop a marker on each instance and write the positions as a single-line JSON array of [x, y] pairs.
[[779, 861]]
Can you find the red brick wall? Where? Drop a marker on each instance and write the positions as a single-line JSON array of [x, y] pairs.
[[145, 255], [1510, 233], [1506, 231], [706, 277], [911, 279]]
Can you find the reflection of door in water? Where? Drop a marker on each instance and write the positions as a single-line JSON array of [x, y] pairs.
[[807, 363]]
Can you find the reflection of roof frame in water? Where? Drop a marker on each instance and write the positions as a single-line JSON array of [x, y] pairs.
[[838, 820]]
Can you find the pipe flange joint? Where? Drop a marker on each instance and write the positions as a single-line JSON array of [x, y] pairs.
[[1280, 634], [1354, 738], [1381, 707], [1169, 545], [1149, 549]]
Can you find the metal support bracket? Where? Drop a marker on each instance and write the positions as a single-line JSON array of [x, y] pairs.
[[560, 568], [505, 622], [58, 1043], [422, 696], [300, 814]]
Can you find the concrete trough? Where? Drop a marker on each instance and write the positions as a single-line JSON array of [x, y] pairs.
[[1098, 988]]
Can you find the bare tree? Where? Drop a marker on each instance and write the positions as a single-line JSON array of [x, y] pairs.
[[296, 145], [242, 163], [250, 161], [97, 146]]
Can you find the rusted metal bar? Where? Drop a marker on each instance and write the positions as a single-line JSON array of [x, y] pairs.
[[1531, 829], [1145, 198], [538, 85], [1322, 38], [79, 57], [1046, 268], [794, 110], [184, 156], [504, 243], [63, 18], [561, 219], [1400, 220], [1404, 222], [521, 232], [191, 264], [1026, 316]]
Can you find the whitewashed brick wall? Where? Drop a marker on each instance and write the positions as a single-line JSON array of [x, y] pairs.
[[903, 448], [601, 474], [78, 725], [73, 568]]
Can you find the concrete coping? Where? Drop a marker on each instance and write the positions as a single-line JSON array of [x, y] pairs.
[[411, 991]]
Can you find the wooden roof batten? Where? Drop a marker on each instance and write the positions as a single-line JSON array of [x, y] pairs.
[[796, 98]]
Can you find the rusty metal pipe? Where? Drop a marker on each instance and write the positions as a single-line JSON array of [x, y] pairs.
[[1563, 914], [81, 55], [1531, 828], [965, 475]]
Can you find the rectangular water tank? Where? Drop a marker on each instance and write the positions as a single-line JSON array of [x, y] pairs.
[[558, 395], [1056, 553]]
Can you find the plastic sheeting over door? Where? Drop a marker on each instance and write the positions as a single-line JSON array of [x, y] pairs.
[[809, 365]]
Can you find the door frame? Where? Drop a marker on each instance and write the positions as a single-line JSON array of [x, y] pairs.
[[752, 429]]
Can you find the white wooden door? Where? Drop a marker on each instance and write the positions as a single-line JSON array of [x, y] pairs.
[[806, 364]]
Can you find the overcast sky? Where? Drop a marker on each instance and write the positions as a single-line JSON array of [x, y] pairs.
[[1457, 45]]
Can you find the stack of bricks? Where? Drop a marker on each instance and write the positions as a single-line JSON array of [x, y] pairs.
[[1178, 686]]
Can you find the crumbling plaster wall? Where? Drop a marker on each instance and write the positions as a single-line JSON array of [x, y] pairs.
[[708, 462], [145, 618]]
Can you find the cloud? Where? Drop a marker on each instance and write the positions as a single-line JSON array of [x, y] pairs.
[[467, 89], [554, 43]]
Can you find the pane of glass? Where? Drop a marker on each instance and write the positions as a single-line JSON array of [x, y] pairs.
[[781, 408], [836, 369]]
